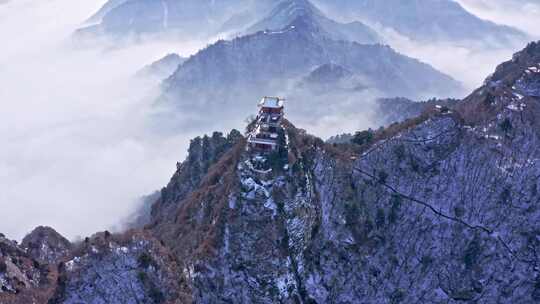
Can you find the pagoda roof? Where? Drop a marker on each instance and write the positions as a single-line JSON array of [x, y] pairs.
[[271, 102]]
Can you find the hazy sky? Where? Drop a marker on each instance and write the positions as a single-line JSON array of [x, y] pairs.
[[77, 144]]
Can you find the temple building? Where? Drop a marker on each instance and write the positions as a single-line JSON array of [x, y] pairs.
[[264, 136]]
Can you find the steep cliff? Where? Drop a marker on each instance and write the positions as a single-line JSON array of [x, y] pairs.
[[439, 209], [128, 268]]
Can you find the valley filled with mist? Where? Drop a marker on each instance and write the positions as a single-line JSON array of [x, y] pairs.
[[84, 138]]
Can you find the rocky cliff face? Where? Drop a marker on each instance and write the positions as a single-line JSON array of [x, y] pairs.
[[131, 268], [440, 209]]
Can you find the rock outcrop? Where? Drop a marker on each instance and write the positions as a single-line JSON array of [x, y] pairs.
[[46, 245], [23, 279], [128, 268]]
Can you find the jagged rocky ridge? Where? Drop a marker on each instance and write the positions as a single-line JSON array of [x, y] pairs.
[[442, 208]]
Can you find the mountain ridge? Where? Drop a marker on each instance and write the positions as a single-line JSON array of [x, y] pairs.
[[429, 20], [170, 18], [285, 13], [235, 72]]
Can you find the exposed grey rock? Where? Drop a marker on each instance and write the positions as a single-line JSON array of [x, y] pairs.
[[22, 279], [132, 268], [46, 245]]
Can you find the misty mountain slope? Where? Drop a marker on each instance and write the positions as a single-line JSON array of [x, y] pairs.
[[229, 75], [203, 153], [428, 20], [104, 10], [394, 110], [329, 78], [162, 68], [192, 18], [288, 10]]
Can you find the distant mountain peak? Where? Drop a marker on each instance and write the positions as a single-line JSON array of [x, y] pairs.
[[46, 245], [428, 21], [328, 73], [162, 68], [304, 15], [286, 13], [288, 8]]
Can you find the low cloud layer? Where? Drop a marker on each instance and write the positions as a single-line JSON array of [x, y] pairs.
[[522, 14], [469, 65], [77, 145]]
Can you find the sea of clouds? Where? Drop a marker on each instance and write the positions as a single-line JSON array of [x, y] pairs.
[[80, 141], [77, 147]]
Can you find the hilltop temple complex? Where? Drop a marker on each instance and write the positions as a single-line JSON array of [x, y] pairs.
[[264, 135]]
